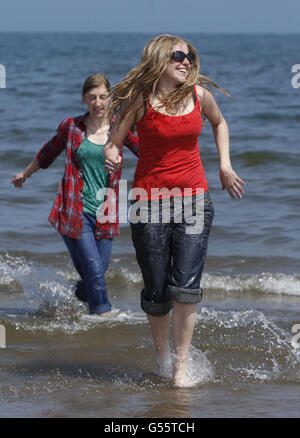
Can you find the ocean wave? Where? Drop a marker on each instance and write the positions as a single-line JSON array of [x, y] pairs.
[[70, 320], [251, 158], [271, 116], [257, 158], [124, 274], [40, 281], [267, 283], [272, 283]]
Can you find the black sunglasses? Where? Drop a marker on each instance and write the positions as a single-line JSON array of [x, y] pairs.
[[179, 56]]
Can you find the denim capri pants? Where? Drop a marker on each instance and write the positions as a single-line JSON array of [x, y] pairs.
[[171, 254]]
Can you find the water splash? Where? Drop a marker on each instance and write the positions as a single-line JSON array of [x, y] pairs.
[[199, 369], [250, 345]]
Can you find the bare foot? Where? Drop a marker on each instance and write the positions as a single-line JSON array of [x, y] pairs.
[[111, 313], [165, 367], [181, 380], [98, 316]]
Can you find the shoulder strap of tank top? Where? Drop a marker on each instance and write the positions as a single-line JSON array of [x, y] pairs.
[[196, 98], [194, 94]]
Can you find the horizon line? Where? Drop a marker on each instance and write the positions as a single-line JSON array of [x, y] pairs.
[[149, 32]]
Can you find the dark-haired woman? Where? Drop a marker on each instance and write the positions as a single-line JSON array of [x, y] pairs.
[[75, 212]]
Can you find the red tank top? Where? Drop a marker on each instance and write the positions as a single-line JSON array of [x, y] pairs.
[[169, 153]]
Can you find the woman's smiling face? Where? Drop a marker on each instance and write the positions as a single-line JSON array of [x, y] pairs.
[[177, 72]]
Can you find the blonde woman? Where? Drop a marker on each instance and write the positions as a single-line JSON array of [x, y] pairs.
[[74, 212], [166, 97]]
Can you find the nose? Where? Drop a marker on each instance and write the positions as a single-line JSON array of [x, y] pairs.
[[186, 61]]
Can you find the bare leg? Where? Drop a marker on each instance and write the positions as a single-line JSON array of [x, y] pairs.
[[183, 321], [160, 334]]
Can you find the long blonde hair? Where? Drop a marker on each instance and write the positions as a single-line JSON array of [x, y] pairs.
[[145, 77]]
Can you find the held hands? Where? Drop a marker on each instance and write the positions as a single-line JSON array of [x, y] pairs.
[[232, 182], [19, 180], [112, 157]]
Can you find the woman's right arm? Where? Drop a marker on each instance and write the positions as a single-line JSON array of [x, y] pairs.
[[21, 177], [46, 155]]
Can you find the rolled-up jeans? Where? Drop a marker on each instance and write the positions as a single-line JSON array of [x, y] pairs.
[[91, 258], [171, 257]]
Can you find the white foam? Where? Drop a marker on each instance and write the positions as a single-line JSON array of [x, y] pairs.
[[265, 282], [242, 318], [53, 292], [126, 275], [69, 275], [71, 322], [12, 268], [118, 317], [253, 373]]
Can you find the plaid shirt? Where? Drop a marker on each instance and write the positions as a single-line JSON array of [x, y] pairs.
[[67, 210]]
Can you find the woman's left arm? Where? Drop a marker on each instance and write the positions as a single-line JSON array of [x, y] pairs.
[[229, 179]]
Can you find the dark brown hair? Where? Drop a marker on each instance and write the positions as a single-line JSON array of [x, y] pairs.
[[94, 81]]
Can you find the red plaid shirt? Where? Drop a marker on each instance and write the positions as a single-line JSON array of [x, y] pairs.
[[67, 210]]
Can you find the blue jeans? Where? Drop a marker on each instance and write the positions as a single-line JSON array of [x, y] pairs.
[[171, 260], [91, 258]]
